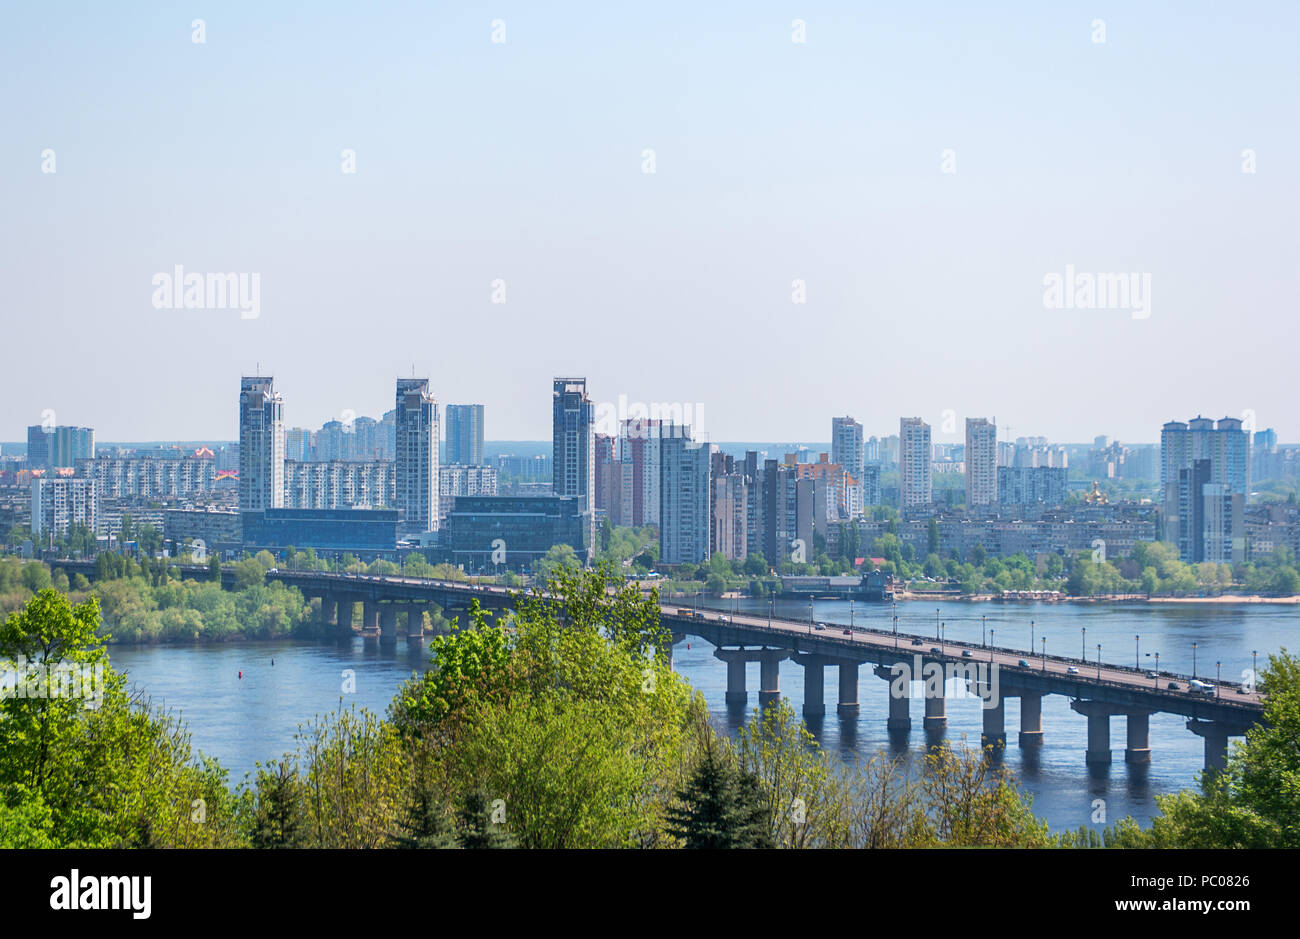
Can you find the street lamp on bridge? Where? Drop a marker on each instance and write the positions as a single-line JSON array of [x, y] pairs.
[[982, 625], [1083, 642], [1031, 637], [1099, 661], [1157, 671], [990, 645], [1194, 645], [1137, 652], [1044, 641]]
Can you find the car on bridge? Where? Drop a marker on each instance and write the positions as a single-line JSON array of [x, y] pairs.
[[916, 642], [936, 650], [1072, 670], [820, 626], [1174, 686], [1023, 664], [965, 653]]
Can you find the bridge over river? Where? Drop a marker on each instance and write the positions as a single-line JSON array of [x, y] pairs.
[[392, 605]]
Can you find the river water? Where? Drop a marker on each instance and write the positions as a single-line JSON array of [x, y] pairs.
[[245, 720]]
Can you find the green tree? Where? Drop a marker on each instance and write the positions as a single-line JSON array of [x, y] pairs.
[[721, 806], [280, 812], [1254, 802]]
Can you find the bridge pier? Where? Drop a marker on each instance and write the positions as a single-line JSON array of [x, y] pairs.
[[414, 621], [1139, 737], [388, 622], [673, 639], [936, 715], [1215, 734], [370, 616], [345, 614], [736, 695], [814, 684], [900, 705], [329, 610], [769, 676], [1098, 714], [848, 703], [995, 727], [1031, 720]]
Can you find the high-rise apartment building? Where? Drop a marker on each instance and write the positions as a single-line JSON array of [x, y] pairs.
[[1029, 485], [1205, 480], [415, 474], [639, 451], [913, 463], [847, 446], [60, 502], [297, 444], [684, 522], [261, 445], [730, 516], [574, 449], [609, 479], [981, 461], [51, 447], [464, 434]]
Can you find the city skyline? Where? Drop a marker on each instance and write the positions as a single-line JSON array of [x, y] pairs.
[[946, 428]]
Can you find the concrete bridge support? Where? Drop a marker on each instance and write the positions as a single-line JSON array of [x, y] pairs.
[[1215, 734], [769, 675], [900, 702], [936, 715], [370, 616], [848, 703], [1098, 714], [345, 615], [995, 725], [814, 684], [1139, 737], [900, 714], [414, 621], [674, 638], [329, 611], [737, 695], [1031, 720], [388, 622]]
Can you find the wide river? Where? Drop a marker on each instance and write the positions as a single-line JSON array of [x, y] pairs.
[[245, 720]]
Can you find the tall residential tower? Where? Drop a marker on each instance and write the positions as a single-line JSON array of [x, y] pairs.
[[913, 464], [261, 445], [416, 471], [981, 462], [464, 434], [574, 449]]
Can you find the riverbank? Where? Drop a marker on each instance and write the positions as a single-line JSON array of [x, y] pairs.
[[1107, 598]]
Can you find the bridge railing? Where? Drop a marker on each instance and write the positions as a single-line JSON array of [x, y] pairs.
[[834, 634]]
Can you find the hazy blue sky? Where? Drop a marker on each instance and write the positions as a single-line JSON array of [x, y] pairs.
[[774, 160]]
